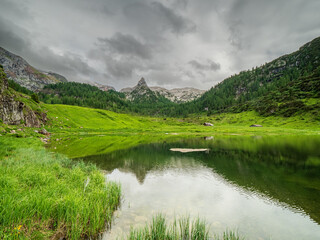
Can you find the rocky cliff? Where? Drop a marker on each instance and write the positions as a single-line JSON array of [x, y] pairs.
[[177, 95], [13, 110], [24, 74], [103, 87]]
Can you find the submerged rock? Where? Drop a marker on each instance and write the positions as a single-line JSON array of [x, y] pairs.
[[208, 138]]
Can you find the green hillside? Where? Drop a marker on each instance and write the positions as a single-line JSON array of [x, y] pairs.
[[81, 94], [299, 96]]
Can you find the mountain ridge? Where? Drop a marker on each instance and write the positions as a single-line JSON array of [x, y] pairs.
[[177, 95], [19, 70]]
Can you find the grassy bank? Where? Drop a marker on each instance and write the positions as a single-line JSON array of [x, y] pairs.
[[181, 229], [45, 195]]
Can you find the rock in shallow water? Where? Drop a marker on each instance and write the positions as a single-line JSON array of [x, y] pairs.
[[256, 125]]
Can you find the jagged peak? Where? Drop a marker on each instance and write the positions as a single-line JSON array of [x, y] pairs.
[[142, 82]]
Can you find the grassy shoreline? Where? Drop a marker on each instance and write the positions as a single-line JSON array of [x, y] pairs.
[[45, 195]]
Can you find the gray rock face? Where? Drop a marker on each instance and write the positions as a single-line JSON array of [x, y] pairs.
[[27, 76], [16, 112], [139, 92], [103, 87], [178, 95]]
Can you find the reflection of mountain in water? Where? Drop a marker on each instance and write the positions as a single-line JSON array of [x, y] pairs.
[[143, 159], [285, 170]]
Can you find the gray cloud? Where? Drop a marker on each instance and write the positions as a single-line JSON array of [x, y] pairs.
[[120, 69], [127, 45], [68, 64], [177, 23], [8, 37], [154, 18], [209, 65], [118, 41]]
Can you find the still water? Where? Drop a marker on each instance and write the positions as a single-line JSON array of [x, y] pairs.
[[262, 187]]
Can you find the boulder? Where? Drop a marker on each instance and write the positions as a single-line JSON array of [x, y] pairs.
[[208, 124], [44, 132], [256, 125]]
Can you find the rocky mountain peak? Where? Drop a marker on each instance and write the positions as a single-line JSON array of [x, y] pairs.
[[177, 95], [142, 83]]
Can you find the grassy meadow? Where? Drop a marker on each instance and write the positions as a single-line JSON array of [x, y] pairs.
[[68, 120]]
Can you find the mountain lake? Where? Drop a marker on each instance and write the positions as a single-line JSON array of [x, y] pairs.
[[263, 187]]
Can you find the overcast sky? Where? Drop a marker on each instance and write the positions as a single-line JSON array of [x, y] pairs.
[[172, 43]]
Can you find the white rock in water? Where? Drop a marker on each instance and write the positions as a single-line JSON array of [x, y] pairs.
[[187, 150]]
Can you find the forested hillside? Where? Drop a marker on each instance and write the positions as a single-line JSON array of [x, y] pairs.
[[81, 94], [298, 96]]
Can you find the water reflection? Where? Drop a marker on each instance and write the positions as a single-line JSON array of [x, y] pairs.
[[267, 187]]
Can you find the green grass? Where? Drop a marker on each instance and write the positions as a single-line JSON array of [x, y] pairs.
[[303, 121], [46, 195], [68, 120], [181, 229], [9, 144]]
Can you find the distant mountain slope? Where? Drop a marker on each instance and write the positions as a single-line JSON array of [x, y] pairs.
[[103, 87], [177, 95], [255, 83], [23, 73]]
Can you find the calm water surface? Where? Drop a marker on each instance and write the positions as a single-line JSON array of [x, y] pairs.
[[263, 187]]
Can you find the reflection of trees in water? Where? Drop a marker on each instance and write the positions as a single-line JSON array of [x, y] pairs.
[[277, 168], [143, 159]]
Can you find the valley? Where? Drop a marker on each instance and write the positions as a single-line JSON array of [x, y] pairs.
[[61, 140]]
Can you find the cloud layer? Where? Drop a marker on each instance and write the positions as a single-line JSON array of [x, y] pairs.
[[173, 43]]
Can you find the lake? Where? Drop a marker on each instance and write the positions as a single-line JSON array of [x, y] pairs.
[[261, 187]]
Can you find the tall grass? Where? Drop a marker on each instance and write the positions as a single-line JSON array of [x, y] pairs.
[[45, 195], [181, 229]]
